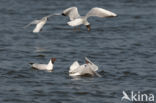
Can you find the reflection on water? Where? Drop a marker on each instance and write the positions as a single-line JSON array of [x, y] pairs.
[[39, 49]]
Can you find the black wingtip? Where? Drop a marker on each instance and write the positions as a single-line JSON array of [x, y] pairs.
[[31, 63], [63, 14]]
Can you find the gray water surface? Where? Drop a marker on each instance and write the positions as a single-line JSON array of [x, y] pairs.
[[123, 47]]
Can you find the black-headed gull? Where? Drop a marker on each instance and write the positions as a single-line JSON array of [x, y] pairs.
[[86, 69], [76, 19], [40, 23], [48, 67]]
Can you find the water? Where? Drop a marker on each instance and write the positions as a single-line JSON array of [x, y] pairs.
[[123, 47]]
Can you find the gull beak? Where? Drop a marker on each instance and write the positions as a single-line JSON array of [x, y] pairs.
[[88, 27]]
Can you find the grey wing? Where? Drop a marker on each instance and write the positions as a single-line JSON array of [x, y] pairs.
[[73, 67], [55, 14], [33, 22], [72, 12], [92, 65], [97, 74], [39, 66], [100, 12], [89, 70]]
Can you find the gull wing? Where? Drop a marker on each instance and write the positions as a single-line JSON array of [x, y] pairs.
[[39, 27], [100, 12], [39, 66], [72, 12], [74, 66], [92, 65], [86, 69], [33, 22], [55, 14], [97, 74]]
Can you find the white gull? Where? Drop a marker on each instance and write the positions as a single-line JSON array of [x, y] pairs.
[[47, 67], [76, 19]]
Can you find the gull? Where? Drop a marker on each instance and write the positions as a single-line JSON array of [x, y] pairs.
[[48, 67], [40, 23], [76, 19], [86, 69]]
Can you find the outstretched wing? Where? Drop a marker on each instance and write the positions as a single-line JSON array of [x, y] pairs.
[[72, 12], [97, 74], [55, 14], [92, 65], [100, 12], [33, 22]]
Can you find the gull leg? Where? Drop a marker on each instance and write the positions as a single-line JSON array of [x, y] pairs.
[[75, 29], [79, 28]]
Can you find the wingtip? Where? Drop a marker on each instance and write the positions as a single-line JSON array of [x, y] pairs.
[[87, 59], [25, 27], [36, 32], [63, 14], [112, 15], [115, 15], [31, 63], [58, 14], [55, 14]]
